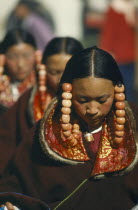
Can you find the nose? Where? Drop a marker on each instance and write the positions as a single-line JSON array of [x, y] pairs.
[[20, 62], [92, 108]]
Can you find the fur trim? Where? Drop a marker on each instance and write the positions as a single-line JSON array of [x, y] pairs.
[[47, 150], [53, 155], [135, 161]]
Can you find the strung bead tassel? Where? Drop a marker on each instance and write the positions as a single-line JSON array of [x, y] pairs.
[[42, 84], [71, 133], [120, 113]]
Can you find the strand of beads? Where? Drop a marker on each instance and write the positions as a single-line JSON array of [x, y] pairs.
[[4, 79], [42, 85], [38, 58], [120, 113], [71, 133]]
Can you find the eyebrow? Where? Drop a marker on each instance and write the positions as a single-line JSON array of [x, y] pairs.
[[100, 97]]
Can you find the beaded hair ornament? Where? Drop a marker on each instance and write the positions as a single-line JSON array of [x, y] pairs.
[[4, 79], [41, 69], [71, 133]]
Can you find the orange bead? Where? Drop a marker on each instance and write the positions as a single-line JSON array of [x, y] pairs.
[[70, 137], [65, 110], [67, 133], [119, 127], [76, 135], [66, 95], [66, 126], [120, 120], [119, 133], [118, 140], [76, 126], [75, 131], [67, 87], [119, 96], [120, 113], [119, 89], [65, 118], [120, 105], [66, 103], [42, 88], [73, 142]]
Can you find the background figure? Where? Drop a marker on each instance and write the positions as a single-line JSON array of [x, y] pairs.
[[84, 146], [17, 61], [118, 38], [31, 16]]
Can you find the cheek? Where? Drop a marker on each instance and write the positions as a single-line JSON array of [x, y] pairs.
[[105, 108], [11, 66], [79, 108]]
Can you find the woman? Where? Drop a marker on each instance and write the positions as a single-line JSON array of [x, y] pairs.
[[31, 105], [79, 152], [17, 65]]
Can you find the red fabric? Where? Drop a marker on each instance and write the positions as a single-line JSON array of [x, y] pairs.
[[118, 37]]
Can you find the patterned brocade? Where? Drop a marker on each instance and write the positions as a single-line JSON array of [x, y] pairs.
[[108, 158]]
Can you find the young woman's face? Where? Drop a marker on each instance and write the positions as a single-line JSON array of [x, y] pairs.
[[92, 99], [55, 65], [20, 61]]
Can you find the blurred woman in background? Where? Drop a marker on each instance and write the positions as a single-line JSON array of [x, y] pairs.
[[17, 64]]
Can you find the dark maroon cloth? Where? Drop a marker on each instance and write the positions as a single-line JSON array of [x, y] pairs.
[[13, 124], [23, 202], [34, 174]]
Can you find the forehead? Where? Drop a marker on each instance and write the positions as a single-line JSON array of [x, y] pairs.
[[58, 59], [20, 47], [92, 87]]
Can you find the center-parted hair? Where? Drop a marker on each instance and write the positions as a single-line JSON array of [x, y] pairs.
[[15, 37], [67, 45], [91, 62]]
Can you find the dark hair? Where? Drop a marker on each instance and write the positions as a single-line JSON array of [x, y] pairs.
[[58, 45], [91, 62], [15, 37]]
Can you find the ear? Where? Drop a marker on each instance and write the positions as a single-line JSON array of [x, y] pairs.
[[2, 59], [2, 63]]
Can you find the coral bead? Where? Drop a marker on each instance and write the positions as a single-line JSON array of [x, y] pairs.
[[66, 126], [119, 127], [75, 131], [118, 140], [73, 142], [120, 105], [120, 113], [65, 110], [66, 95], [65, 118], [42, 72], [76, 135], [42, 88], [119, 96], [67, 133], [119, 89], [70, 137], [120, 120], [66, 103], [76, 126], [67, 87], [119, 133]]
